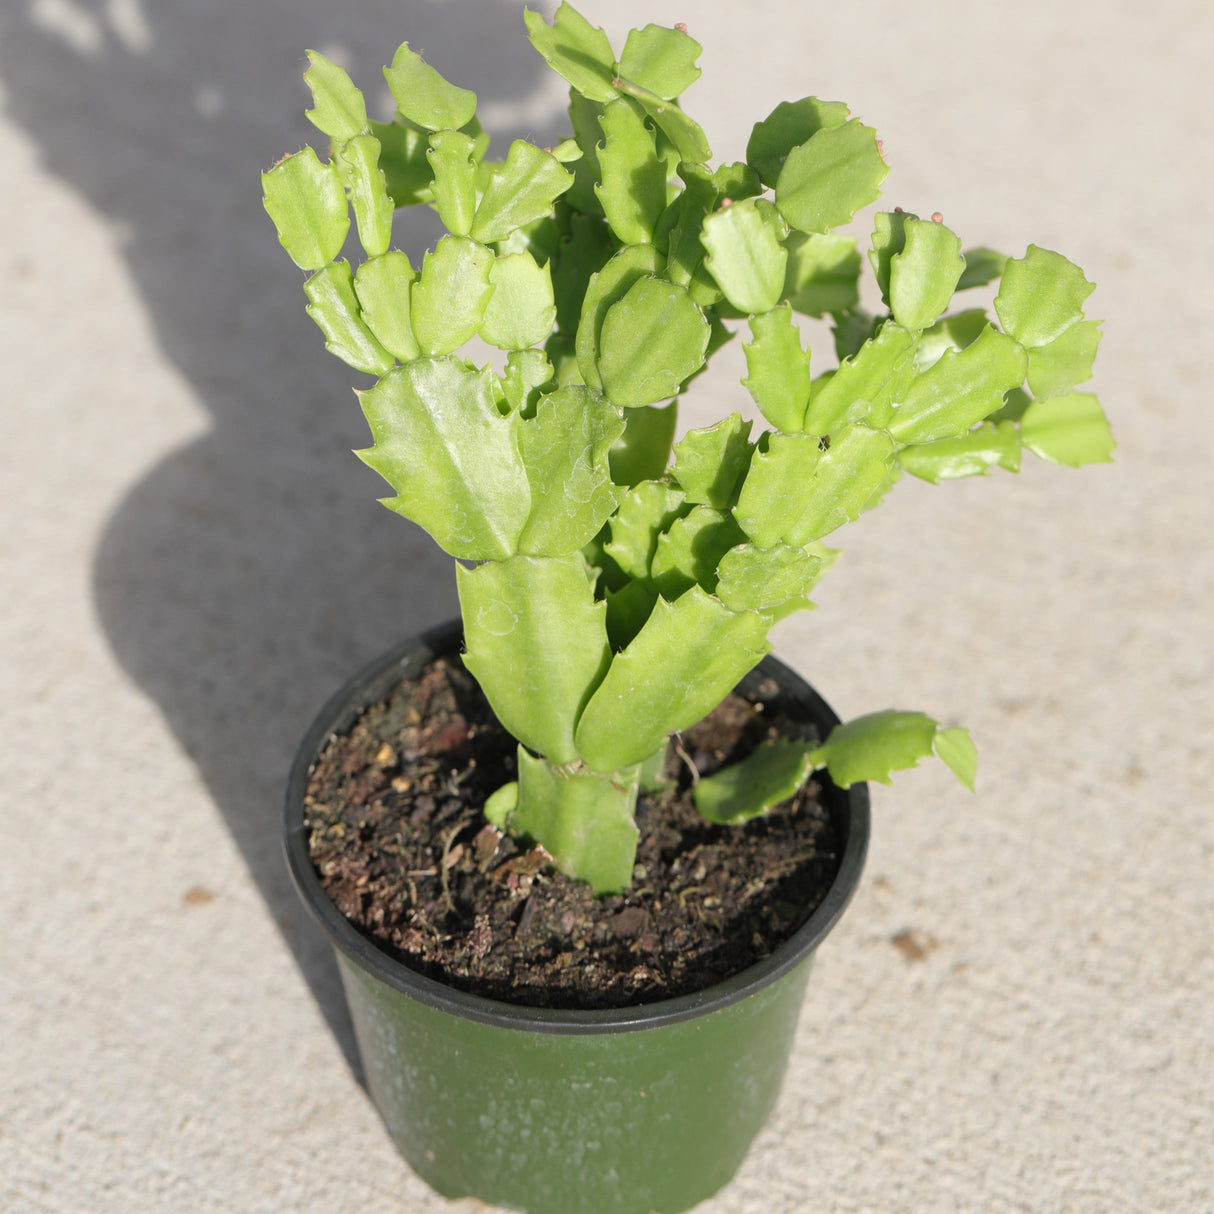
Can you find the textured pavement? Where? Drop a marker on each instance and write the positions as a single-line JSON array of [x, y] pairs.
[[1017, 1013]]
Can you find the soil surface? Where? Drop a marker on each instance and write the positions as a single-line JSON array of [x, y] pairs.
[[397, 835]]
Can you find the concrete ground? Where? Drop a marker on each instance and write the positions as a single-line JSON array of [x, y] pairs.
[[1016, 1013]]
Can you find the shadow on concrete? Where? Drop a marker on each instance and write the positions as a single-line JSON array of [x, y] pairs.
[[250, 572]]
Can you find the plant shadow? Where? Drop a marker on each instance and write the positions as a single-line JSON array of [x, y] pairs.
[[250, 571]]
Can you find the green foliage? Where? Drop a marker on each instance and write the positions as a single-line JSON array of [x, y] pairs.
[[620, 582]]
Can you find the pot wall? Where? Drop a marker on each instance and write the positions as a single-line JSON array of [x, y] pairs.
[[623, 1123]]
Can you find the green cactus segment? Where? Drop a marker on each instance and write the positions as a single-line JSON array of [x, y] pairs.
[[424, 97], [745, 253], [982, 265], [1040, 297], [686, 658], [960, 390], [888, 239], [357, 163], [1068, 430], [627, 610], [525, 374], [956, 749], [826, 180], [453, 163], [789, 125], [449, 300], [643, 514], [709, 463], [971, 454], [584, 820], [333, 305], [680, 228], [652, 340], [854, 468], [661, 60], [767, 579], [686, 140], [521, 310], [341, 112], [1057, 367], [865, 383], [955, 332], [564, 448], [584, 118], [823, 273], [873, 746], [307, 203], [519, 191], [924, 274], [442, 444], [778, 369], [582, 253], [774, 492], [688, 553], [575, 50], [403, 157], [608, 287], [632, 186], [536, 643], [643, 449], [769, 775], [382, 285]]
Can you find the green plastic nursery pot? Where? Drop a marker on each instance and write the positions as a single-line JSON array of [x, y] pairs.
[[642, 1110]]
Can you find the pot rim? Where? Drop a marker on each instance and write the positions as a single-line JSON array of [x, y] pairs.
[[849, 808]]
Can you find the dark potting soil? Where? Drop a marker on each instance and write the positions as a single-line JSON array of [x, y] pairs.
[[398, 837]]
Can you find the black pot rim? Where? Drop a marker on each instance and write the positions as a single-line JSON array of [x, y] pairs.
[[849, 808]]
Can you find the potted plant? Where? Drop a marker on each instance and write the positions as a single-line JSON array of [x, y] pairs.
[[615, 584]]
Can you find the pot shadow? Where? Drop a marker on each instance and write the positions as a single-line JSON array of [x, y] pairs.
[[249, 572]]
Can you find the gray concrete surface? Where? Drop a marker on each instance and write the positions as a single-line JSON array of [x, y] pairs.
[[1016, 1014]]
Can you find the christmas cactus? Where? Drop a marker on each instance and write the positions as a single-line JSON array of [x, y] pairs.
[[615, 584]]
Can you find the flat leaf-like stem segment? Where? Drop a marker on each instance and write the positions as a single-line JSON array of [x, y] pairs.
[[521, 310], [576, 50], [687, 657], [382, 285], [536, 643], [823, 273], [333, 305], [661, 60], [452, 157], [745, 253], [423, 96], [519, 191], [777, 369], [789, 125], [826, 180], [643, 449], [874, 746], [960, 390], [340, 111], [565, 450], [453, 459], [652, 340], [357, 163], [754, 786], [606, 288], [448, 302], [1068, 430], [709, 463], [306, 201], [971, 454], [923, 274], [864, 384], [583, 818], [767, 579], [632, 184]]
